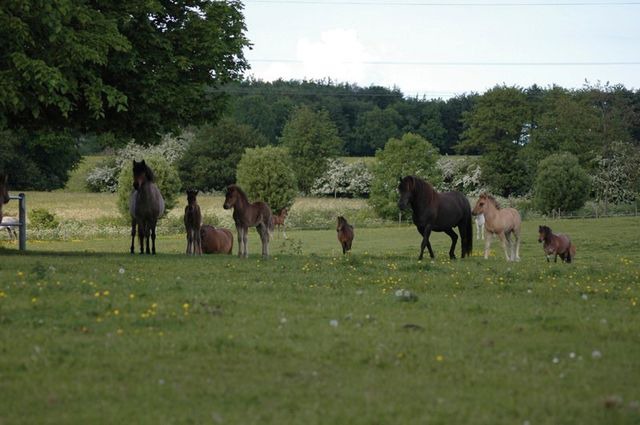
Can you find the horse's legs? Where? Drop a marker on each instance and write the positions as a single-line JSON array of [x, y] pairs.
[[503, 239], [133, 235], [264, 237], [454, 240], [153, 237], [482, 231], [426, 243], [245, 237], [487, 242], [141, 237], [198, 240], [239, 231], [555, 258], [284, 230], [510, 246], [147, 237], [189, 236], [516, 234]]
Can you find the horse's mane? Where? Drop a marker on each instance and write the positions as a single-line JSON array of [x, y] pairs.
[[239, 190], [492, 199], [423, 190]]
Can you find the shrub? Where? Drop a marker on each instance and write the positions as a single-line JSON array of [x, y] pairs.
[[41, 218], [104, 177], [561, 184], [462, 174], [342, 179], [266, 174], [166, 178], [411, 155]]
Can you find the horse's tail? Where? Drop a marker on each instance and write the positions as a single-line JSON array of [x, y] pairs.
[[466, 231]]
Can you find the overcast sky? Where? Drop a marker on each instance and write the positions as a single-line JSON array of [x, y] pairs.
[[448, 48]]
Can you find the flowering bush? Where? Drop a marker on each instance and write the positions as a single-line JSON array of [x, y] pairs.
[[104, 177], [462, 174], [344, 180]]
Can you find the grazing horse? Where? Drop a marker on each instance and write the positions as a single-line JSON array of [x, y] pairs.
[[216, 240], [345, 234], [437, 212], [502, 222], [146, 205], [279, 220], [245, 215], [4, 192], [192, 223], [556, 244], [480, 226]]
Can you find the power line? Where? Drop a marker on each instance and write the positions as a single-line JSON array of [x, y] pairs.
[[443, 63], [428, 4]]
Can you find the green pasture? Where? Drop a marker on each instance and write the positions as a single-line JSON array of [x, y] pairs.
[[92, 334]]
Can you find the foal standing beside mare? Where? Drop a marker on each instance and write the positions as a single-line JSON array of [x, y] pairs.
[[192, 223], [146, 205], [345, 234], [501, 221], [247, 214], [556, 245], [437, 212], [4, 192]]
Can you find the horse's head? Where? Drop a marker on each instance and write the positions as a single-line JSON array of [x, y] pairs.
[[4, 191], [341, 222], [191, 196], [231, 197], [543, 233], [405, 189], [141, 173], [284, 212], [481, 204]]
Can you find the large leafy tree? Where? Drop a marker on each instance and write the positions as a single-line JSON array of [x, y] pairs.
[[373, 129], [136, 68], [561, 184], [312, 139]]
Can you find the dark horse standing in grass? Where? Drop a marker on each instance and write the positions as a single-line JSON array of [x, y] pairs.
[[345, 234], [247, 214], [146, 205], [556, 245], [437, 212], [4, 192]]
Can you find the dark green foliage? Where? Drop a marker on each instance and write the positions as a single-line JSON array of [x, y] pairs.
[[373, 129], [561, 184], [210, 161], [411, 155], [266, 174], [135, 69], [41, 218], [37, 161], [312, 139]]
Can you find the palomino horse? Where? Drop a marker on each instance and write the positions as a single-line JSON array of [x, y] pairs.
[[437, 212], [480, 226], [556, 244], [500, 221], [279, 220], [192, 223], [146, 205], [4, 192], [345, 234], [216, 240], [245, 215]]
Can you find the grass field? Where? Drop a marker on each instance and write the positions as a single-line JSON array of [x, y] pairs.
[[91, 334]]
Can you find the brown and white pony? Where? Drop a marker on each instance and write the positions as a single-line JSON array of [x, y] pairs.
[[4, 192], [556, 245], [192, 223], [247, 214], [503, 222], [345, 234], [279, 220]]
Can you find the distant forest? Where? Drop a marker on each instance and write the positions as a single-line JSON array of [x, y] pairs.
[[366, 117]]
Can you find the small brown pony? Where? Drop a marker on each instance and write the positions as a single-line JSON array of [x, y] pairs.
[[4, 192], [216, 240], [345, 234], [556, 245], [279, 220], [246, 214], [192, 223], [502, 222]]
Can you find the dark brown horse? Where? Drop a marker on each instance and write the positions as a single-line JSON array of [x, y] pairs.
[[192, 223], [146, 205], [556, 245], [437, 212], [216, 240], [345, 234], [247, 214], [4, 192], [279, 220]]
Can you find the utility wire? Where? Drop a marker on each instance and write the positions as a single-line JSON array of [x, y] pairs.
[[438, 63], [427, 4]]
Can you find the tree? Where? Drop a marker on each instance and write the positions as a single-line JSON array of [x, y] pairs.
[[312, 139], [265, 174], [166, 178], [373, 129], [561, 184], [410, 155], [342, 179], [210, 161], [617, 178], [136, 68]]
